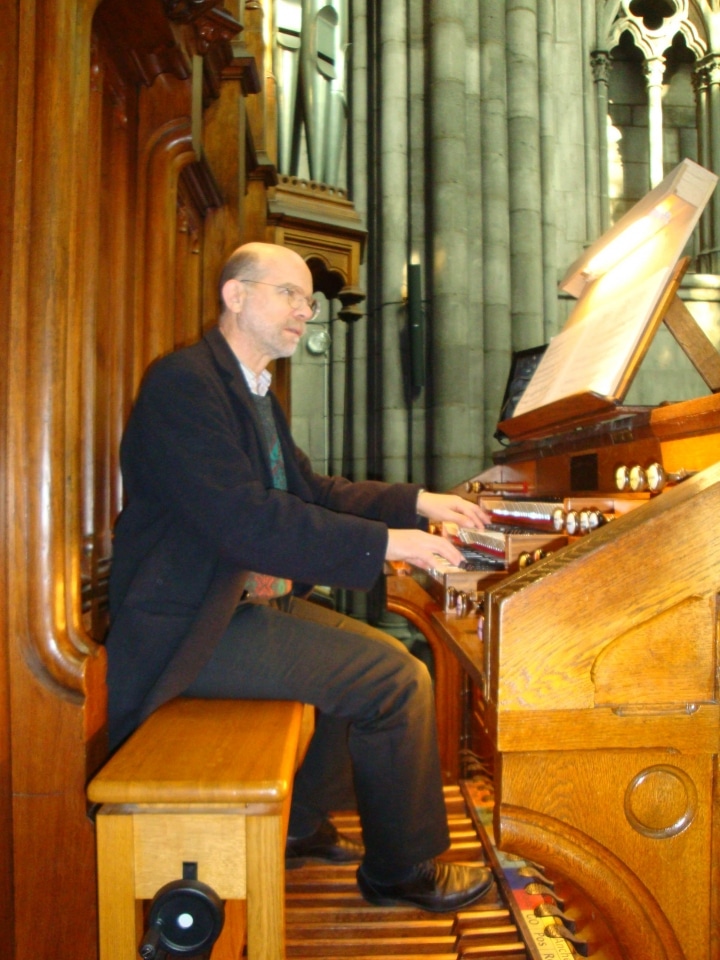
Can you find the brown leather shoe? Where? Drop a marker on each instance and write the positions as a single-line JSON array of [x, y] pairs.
[[433, 885], [325, 845]]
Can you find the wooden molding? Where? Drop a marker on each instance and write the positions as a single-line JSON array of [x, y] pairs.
[[214, 32], [198, 179], [185, 11], [243, 67], [153, 39], [322, 225]]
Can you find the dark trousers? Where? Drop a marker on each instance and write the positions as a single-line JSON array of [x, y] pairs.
[[376, 707]]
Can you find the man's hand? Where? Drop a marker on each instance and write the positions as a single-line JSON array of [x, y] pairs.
[[421, 549], [449, 507]]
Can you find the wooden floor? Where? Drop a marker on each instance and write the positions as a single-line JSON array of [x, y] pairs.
[[328, 918]]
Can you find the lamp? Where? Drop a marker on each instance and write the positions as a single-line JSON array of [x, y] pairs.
[[679, 199]]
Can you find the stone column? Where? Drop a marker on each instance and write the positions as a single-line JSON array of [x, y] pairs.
[[526, 254], [449, 338], [419, 235], [355, 449], [548, 76], [595, 159], [713, 96], [495, 213], [654, 71], [475, 439], [393, 158], [600, 63], [707, 92]]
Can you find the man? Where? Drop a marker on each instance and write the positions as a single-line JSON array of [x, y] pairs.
[[223, 512]]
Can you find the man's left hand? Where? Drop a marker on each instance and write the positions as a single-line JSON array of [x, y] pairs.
[[451, 508]]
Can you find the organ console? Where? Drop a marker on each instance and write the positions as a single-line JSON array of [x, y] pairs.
[[586, 620]]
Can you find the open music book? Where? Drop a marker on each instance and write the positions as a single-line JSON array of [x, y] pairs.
[[624, 284], [591, 355]]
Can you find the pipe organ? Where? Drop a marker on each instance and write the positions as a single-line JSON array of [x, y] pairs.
[[585, 616]]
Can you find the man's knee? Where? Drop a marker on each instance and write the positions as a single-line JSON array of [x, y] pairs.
[[414, 678]]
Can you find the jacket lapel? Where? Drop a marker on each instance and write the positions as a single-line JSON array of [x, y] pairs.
[[232, 374]]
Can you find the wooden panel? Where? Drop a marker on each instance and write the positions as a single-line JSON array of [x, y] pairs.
[[570, 813], [8, 117], [122, 915], [266, 892], [53, 665], [163, 842], [657, 555], [405, 597], [663, 660]]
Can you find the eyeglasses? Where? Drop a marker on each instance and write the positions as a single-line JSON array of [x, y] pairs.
[[295, 298]]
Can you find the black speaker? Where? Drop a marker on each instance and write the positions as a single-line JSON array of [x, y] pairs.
[[185, 919], [416, 327]]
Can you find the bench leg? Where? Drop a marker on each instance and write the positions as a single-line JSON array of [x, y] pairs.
[[229, 945], [120, 915], [265, 888]]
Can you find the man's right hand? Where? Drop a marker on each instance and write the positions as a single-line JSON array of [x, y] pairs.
[[420, 548]]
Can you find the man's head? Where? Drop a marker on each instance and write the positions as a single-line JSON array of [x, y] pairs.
[[266, 301]]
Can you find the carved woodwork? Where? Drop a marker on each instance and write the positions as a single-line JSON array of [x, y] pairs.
[[121, 217], [322, 225], [261, 110], [116, 224], [9, 76], [407, 598], [632, 687]]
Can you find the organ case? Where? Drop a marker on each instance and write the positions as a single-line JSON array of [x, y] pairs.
[[598, 668]]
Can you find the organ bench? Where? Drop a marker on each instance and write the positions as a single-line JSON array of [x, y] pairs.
[[207, 783]]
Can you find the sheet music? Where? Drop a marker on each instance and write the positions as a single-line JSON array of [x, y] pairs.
[[593, 354]]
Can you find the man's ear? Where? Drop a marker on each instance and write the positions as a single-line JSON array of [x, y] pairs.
[[233, 295]]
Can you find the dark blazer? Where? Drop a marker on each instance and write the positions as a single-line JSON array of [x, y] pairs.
[[201, 510]]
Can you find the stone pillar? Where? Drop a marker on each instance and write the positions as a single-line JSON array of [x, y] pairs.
[[600, 62], [419, 234], [393, 159], [449, 338], [713, 96], [548, 76], [475, 439], [526, 253], [707, 92], [495, 213], [654, 71], [355, 448], [595, 160]]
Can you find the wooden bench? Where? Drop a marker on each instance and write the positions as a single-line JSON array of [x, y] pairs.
[[205, 782]]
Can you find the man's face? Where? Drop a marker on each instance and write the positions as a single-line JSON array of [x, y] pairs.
[[275, 309]]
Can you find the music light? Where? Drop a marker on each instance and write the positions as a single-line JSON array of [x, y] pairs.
[[635, 236], [672, 208]]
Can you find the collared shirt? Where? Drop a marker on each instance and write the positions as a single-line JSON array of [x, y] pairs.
[[258, 383]]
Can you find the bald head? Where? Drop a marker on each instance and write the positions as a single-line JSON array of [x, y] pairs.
[[266, 301], [252, 260]]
